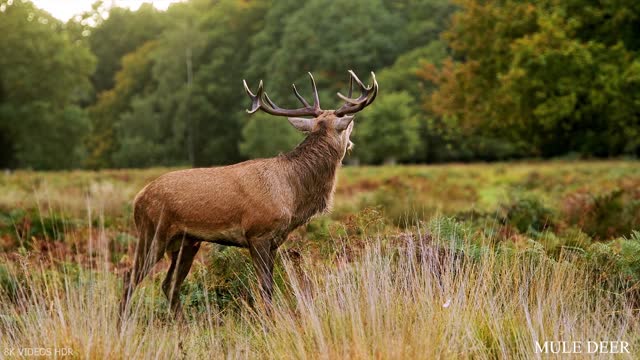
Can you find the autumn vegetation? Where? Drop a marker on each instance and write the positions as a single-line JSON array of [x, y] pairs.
[[524, 227], [460, 80], [484, 258]]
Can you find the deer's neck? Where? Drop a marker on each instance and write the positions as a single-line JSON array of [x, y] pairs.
[[312, 169]]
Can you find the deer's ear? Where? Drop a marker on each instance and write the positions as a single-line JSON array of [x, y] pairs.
[[301, 124], [343, 122]]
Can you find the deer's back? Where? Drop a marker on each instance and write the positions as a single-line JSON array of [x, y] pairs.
[[219, 204]]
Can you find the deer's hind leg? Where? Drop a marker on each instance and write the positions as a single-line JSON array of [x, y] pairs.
[[181, 261], [149, 250]]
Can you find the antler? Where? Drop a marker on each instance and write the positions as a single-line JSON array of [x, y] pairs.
[[261, 101], [368, 94]]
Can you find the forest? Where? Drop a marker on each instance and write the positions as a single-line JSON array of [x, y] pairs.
[[460, 80]]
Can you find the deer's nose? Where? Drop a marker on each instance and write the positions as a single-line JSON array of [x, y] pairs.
[[350, 145]]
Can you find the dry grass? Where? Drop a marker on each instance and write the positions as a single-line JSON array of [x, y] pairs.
[[354, 284], [416, 300]]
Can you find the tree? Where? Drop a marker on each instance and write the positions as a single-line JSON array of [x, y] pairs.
[[133, 80], [186, 104], [318, 37], [120, 33], [177, 59], [404, 76], [217, 99], [557, 75], [265, 136], [141, 136], [424, 19], [50, 138], [81, 26], [42, 125], [388, 131]]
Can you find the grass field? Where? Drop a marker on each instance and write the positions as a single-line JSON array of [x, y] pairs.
[[448, 261]]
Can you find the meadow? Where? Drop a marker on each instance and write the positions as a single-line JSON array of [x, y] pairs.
[[453, 261]]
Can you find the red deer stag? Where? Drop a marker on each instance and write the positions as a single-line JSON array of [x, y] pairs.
[[254, 204]]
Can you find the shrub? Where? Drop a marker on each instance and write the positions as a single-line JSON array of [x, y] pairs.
[[27, 224], [630, 256], [318, 229], [617, 262], [448, 229], [227, 278], [399, 202], [527, 213], [563, 243], [603, 216]]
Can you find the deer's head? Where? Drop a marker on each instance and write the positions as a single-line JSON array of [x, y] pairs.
[[336, 124]]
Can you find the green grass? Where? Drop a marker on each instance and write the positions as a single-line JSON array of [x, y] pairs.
[[447, 261]]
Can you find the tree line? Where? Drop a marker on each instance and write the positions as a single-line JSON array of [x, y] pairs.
[[459, 80]]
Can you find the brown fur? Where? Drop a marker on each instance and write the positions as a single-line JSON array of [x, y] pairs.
[[254, 204]]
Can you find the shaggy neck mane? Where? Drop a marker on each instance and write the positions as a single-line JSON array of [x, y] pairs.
[[312, 172]]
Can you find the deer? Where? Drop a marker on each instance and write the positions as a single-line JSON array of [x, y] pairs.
[[254, 204]]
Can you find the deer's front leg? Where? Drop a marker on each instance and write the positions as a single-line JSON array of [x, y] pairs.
[[263, 253]]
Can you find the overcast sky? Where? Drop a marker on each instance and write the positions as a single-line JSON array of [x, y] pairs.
[[65, 9]]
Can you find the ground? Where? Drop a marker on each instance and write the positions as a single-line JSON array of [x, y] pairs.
[[449, 261]]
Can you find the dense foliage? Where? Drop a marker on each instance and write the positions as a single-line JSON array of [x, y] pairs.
[[115, 87], [43, 78], [542, 78]]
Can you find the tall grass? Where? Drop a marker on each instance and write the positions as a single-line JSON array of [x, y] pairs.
[[426, 296]]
